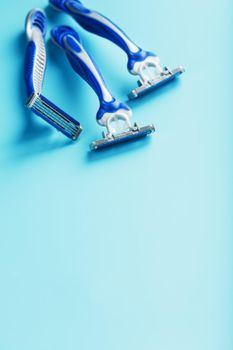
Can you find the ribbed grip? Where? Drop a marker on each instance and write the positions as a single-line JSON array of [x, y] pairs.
[[35, 59]]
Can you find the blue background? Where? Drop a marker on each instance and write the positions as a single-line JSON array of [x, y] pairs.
[[130, 248]]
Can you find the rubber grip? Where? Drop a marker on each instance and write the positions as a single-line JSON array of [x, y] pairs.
[[100, 25], [81, 61], [29, 68], [36, 19], [35, 57], [69, 40]]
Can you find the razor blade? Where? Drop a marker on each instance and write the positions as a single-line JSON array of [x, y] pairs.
[[55, 116], [163, 78], [135, 133], [35, 64]]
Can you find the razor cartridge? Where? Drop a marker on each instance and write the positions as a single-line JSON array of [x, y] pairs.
[[112, 114], [134, 132], [164, 77], [142, 63], [35, 64]]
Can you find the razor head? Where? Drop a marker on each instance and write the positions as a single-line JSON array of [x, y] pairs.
[[56, 117], [134, 133], [165, 77]]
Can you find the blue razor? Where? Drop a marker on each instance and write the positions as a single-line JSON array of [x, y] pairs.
[[112, 114], [35, 64], [142, 63]]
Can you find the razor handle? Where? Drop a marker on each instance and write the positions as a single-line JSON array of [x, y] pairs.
[[66, 38], [100, 25], [35, 58], [34, 70]]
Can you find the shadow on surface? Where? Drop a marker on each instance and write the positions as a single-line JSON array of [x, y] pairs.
[[54, 16], [39, 148]]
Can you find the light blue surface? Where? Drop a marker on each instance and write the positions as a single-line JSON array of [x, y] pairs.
[[130, 249]]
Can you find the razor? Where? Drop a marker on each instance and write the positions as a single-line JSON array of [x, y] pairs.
[[35, 64], [142, 63], [112, 114]]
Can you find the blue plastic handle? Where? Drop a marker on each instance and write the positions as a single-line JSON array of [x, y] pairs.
[[100, 25], [35, 57], [68, 39]]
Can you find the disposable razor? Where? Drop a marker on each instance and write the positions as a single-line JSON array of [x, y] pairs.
[[112, 114], [35, 64], [142, 63]]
